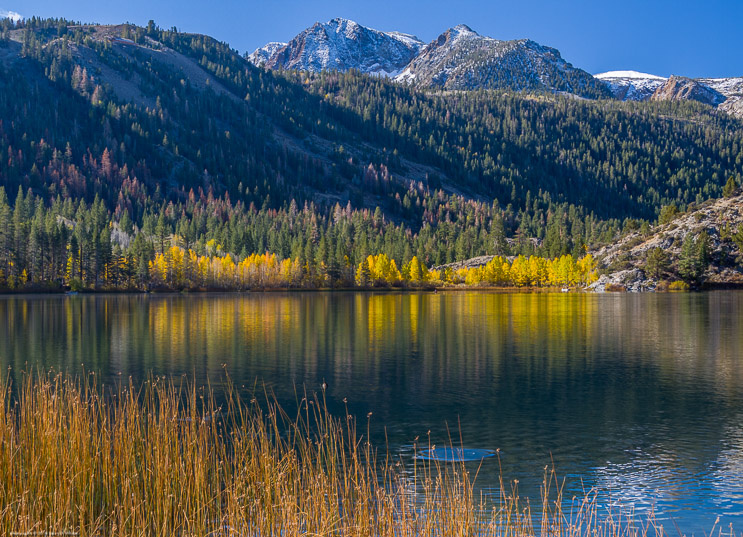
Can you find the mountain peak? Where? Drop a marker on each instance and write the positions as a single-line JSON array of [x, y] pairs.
[[341, 20], [342, 25], [464, 29], [461, 59], [342, 44], [261, 55], [458, 32]]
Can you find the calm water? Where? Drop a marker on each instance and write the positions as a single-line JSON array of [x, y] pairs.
[[638, 395]]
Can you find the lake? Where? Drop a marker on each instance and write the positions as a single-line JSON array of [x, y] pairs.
[[638, 395]]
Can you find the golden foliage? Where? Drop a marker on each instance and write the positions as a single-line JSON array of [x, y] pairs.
[[533, 271]]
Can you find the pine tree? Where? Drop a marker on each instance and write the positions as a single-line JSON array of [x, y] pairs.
[[738, 240], [694, 257], [6, 238], [731, 187], [656, 263], [162, 231], [21, 222], [668, 213], [125, 223], [363, 274]]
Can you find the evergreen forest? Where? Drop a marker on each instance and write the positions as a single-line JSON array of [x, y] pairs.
[[138, 157]]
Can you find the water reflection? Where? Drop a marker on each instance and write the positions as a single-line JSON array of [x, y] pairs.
[[638, 395]]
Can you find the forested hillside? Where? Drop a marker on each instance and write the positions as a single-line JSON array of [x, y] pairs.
[[121, 140]]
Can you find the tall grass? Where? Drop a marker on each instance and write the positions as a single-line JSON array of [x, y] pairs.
[[162, 458]]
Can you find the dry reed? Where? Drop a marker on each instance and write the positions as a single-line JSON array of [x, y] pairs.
[[162, 458]]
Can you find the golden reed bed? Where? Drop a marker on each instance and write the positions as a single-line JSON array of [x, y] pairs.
[[161, 458]]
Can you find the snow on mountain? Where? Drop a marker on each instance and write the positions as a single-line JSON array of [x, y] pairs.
[[341, 44], [726, 93], [629, 74], [463, 59], [731, 89], [631, 85], [408, 39], [261, 55]]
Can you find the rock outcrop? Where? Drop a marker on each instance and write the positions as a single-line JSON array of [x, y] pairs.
[[623, 263], [724, 93], [679, 88]]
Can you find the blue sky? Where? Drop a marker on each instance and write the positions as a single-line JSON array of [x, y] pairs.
[[683, 37]]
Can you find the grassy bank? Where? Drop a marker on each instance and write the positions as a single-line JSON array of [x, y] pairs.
[[164, 459]]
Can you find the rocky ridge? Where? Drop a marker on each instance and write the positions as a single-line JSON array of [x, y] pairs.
[[261, 55], [459, 59], [732, 89], [341, 44], [623, 263], [724, 93], [462, 59]]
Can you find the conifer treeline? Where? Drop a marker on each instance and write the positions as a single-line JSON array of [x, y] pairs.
[[79, 247]]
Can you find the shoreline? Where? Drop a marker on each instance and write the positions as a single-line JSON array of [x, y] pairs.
[[269, 290], [379, 290]]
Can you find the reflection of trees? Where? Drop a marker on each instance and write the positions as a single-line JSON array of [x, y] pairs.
[[455, 337], [531, 372]]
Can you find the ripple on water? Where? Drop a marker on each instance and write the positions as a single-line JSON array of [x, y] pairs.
[[455, 454]]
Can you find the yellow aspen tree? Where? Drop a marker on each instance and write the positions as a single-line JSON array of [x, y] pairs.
[[505, 273], [202, 270], [520, 271], [69, 270], [392, 274], [158, 270], [227, 266], [586, 267], [416, 273], [491, 270], [193, 264], [552, 276], [459, 276], [370, 261], [176, 265], [474, 276], [285, 272]]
